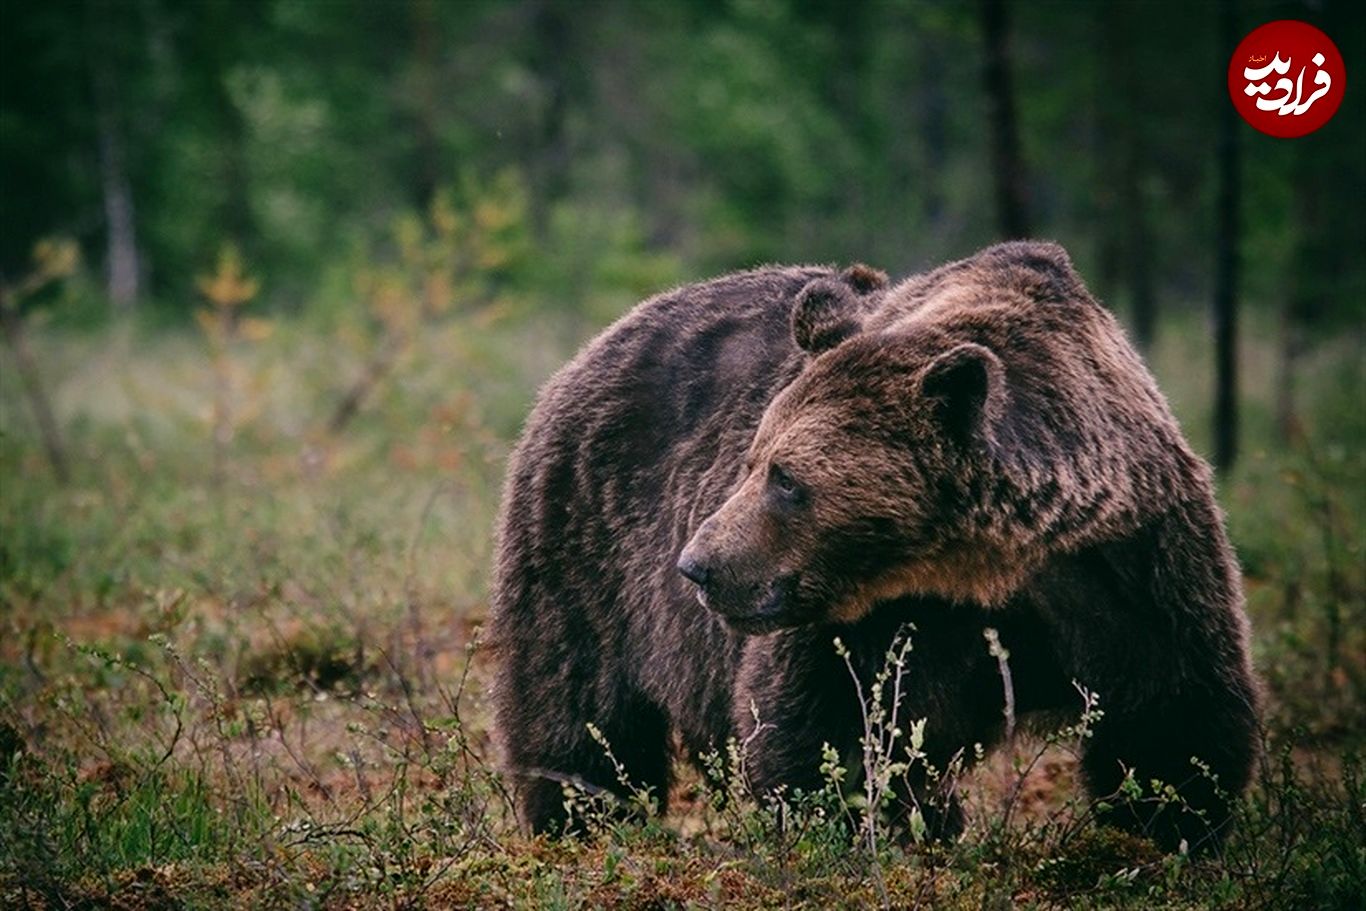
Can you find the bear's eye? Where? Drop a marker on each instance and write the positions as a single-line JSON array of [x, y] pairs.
[[782, 482]]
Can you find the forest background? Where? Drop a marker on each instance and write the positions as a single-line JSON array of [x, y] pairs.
[[280, 280]]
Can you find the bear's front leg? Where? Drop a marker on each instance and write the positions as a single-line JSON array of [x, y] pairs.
[[795, 695], [1192, 745], [1154, 626]]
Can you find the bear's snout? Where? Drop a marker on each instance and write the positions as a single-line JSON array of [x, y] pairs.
[[692, 569]]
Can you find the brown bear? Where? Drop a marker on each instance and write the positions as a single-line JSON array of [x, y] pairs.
[[739, 471]]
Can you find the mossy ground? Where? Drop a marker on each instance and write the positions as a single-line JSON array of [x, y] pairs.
[[247, 674]]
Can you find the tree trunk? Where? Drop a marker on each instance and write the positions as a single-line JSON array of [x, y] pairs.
[[122, 264], [551, 61], [237, 217], [1125, 101], [1288, 426], [1226, 264], [1127, 86], [934, 131], [425, 25], [1301, 301], [1011, 210], [1138, 250], [1106, 151], [122, 247], [1314, 270]]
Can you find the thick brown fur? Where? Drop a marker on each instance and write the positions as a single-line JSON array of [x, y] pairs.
[[824, 455]]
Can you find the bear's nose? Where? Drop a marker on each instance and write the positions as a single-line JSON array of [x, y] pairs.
[[693, 571]]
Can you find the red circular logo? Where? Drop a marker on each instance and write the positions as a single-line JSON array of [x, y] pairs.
[[1287, 78]]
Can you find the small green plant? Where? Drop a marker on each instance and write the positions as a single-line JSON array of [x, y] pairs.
[[882, 761], [597, 810], [227, 290]]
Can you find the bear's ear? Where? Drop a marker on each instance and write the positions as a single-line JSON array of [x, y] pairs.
[[966, 388], [825, 314], [1041, 268], [863, 278]]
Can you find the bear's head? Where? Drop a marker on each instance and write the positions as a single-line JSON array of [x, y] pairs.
[[879, 472]]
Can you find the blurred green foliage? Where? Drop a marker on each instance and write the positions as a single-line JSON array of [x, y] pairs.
[[650, 141], [236, 629]]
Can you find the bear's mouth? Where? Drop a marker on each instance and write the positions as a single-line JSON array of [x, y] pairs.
[[776, 607], [756, 626]]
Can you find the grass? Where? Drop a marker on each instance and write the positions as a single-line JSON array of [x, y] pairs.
[[246, 674]]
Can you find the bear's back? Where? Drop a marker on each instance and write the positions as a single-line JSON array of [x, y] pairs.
[[661, 386], [684, 351], [627, 446]]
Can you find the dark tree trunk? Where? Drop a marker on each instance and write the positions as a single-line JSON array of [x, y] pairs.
[[1106, 151], [1138, 248], [934, 130], [1226, 265], [1316, 269], [551, 59], [425, 24], [237, 217], [1302, 301], [1288, 426], [1012, 213], [1123, 77]]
